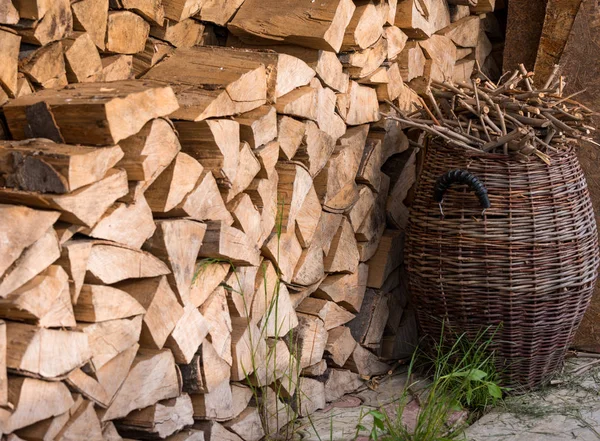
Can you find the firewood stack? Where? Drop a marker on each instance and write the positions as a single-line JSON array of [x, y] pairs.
[[203, 206]]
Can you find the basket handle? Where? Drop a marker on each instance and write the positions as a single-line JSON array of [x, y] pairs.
[[461, 177]]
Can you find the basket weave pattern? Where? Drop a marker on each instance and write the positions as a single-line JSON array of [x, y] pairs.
[[528, 266]]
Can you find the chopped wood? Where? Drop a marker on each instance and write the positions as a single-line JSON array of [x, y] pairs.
[[213, 81], [151, 10], [219, 12], [331, 314], [179, 10], [281, 316], [387, 258], [205, 372], [110, 263], [343, 255], [45, 67], [291, 133], [163, 312], [370, 231], [3, 372], [249, 350], [411, 61], [99, 303], [307, 220], [294, 185], [404, 169], [189, 332], [151, 100], [89, 387], [43, 166], [359, 105], [396, 40], [365, 27], [463, 32], [268, 156], [368, 325], [129, 225], [213, 431], [340, 345], [365, 363], [112, 375], [310, 339], [8, 13], [154, 51], [177, 242], [116, 68], [22, 227], [247, 424], [126, 32], [363, 63], [442, 53], [245, 174], [91, 16], [81, 57], [316, 370], [55, 24], [258, 126], [300, 103], [161, 419], [83, 423], [186, 33], [310, 396], [74, 258], [216, 313], [27, 350], [34, 259], [324, 31], [207, 276], [35, 400], [347, 290], [153, 377], [109, 339], [341, 382], [225, 242], [10, 43]]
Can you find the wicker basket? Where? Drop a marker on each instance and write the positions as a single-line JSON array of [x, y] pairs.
[[527, 265]]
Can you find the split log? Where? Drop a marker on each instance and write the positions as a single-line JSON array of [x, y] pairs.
[[10, 43], [343, 255], [245, 174], [129, 225], [307, 220], [359, 105], [347, 290], [45, 67], [294, 185], [188, 334], [483, 6], [207, 276], [369, 170], [464, 32], [365, 27], [91, 16], [411, 61], [43, 166], [463, 71], [109, 339], [186, 33], [161, 419], [284, 251], [263, 193], [153, 377], [215, 144], [213, 431], [387, 258], [392, 89], [368, 325], [151, 10], [205, 372], [112, 375], [163, 312], [325, 31], [315, 150], [41, 300], [83, 423], [458, 11], [363, 63], [327, 119], [179, 10], [281, 370], [22, 227], [396, 40], [331, 314], [34, 259], [110, 263], [87, 386], [81, 57], [150, 151], [216, 313], [341, 382], [116, 68], [176, 243], [55, 24], [365, 363], [35, 400], [310, 396], [218, 12], [259, 126], [281, 317], [224, 242], [27, 350], [154, 51], [301, 103], [267, 155], [340, 345], [402, 170], [8, 13], [248, 349], [316, 370], [126, 32], [213, 81], [404, 341], [3, 372], [442, 53], [203, 203], [74, 110], [247, 424], [174, 183], [370, 231], [291, 133], [412, 18], [84, 206], [74, 258], [310, 339]]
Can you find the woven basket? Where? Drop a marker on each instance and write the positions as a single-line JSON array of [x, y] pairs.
[[527, 266]]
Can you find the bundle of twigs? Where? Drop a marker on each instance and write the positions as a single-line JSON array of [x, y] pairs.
[[512, 116]]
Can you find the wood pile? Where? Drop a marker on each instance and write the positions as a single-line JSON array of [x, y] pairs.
[[204, 207]]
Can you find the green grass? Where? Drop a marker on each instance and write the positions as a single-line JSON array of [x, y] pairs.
[[462, 376]]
